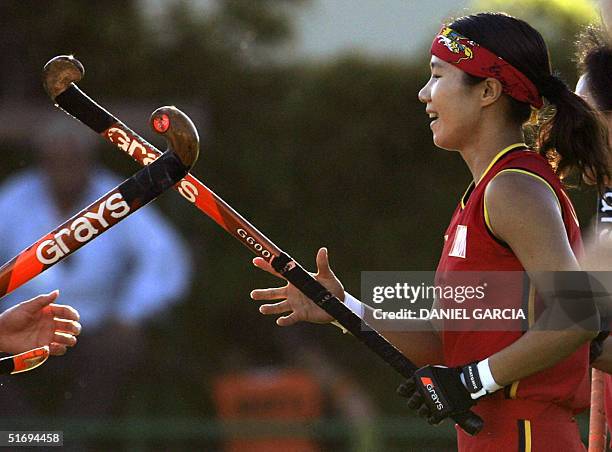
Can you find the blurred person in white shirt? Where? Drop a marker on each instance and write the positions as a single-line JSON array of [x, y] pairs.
[[118, 282]]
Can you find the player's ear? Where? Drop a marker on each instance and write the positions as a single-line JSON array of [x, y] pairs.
[[491, 90]]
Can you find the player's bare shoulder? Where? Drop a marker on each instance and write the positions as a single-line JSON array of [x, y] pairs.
[[524, 211]]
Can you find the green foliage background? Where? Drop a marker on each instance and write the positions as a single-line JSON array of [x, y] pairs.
[[336, 154]]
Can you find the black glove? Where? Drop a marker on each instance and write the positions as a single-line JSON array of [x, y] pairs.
[[437, 392]]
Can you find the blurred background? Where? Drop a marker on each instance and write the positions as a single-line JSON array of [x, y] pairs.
[[311, 129]]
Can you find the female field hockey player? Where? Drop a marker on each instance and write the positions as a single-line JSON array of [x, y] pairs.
[[595, 62], [489, 73]]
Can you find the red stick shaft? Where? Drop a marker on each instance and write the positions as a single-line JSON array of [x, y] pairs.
[[196, 192]]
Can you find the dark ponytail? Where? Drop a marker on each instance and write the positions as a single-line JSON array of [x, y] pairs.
[[575, 139], [567, 131]]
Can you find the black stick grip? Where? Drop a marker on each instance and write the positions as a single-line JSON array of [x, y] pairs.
[[152, 180], [78, 104], [300, 278]]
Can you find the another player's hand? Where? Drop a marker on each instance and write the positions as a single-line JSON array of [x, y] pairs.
[[295, 304], [37, 322], [436, 392]]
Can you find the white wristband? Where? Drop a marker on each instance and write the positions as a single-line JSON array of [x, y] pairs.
[[354, 305], [486, 377]]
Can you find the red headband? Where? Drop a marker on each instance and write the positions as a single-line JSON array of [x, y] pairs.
[[474, 59]]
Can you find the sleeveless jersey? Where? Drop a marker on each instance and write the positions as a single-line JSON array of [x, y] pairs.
[[471, 246]]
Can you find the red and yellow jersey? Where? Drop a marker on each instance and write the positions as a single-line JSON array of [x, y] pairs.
[[471, 246]]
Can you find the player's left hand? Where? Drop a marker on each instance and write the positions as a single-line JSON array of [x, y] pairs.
[[37, 322], [437, 392]]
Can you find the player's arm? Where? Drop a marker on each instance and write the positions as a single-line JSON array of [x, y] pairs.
[[539, 240], [418, 339]]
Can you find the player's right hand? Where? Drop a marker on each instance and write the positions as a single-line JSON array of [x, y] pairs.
[[437, 392], [294, 304]]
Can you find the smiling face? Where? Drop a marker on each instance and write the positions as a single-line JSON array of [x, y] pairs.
[[453, 104]]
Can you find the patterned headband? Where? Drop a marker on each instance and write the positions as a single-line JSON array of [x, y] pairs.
[[474, 59]]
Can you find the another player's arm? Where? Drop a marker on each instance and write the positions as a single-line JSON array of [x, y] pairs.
[[538, 238]]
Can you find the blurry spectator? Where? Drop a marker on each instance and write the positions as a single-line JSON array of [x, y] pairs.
[[118, 282]]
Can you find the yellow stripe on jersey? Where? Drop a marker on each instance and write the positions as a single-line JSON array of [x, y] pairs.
[[528, 303], [499, 155], [465, 193], [527, 436], [514, 389], [486, 216], [524, 435], [572, 211]]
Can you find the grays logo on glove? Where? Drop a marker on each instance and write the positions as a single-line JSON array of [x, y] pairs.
[[438, 392]]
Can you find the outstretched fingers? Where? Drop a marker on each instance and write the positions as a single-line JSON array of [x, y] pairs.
[[56, 349], [64, 339], [64, 335], [41, 301], [275, 308], [64, 312], [323, 268], [266, 266], [67, 326], [61, 342], [276, 293], [288, 320]]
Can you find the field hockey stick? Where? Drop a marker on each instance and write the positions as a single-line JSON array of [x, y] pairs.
[[132, 194], [59, 77], [98, 217], [24, 361], [597, 414]]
